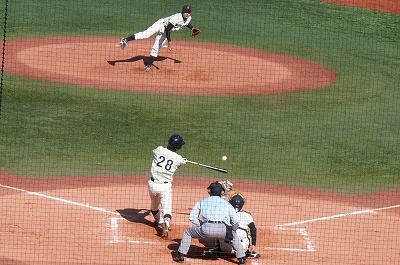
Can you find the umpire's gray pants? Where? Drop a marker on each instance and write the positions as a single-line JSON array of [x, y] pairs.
[[209, 231]]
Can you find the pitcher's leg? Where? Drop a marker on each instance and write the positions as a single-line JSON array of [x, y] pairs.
[[158, 43], [153, 29]]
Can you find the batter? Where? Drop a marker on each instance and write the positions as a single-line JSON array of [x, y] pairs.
[[162, 28], [165, 162]]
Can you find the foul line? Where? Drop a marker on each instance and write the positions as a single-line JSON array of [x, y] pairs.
[[368, 211], [115, 237], [62, 200], [303, 231]]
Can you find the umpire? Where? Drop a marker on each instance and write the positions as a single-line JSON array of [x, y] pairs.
[[214, 218]]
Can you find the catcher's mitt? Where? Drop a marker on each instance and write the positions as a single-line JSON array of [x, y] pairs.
[[226, 185], [195, 32]]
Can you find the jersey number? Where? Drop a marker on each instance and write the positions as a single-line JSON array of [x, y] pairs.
[[167, 164]]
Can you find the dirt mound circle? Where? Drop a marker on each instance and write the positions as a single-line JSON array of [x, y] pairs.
[[192, 68]]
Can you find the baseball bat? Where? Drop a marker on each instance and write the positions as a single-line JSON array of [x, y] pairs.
[[210, 167]]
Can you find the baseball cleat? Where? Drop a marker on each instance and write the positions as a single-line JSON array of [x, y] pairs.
[[148, 67], [122, 43], [242, 261], [252, 255], [165, 229], [214, 253], [178, 257]]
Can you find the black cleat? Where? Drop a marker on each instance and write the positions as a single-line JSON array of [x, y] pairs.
[[242, 261], [178, 257]]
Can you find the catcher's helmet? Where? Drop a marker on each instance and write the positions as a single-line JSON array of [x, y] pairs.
[[175, 142], [237, 200]]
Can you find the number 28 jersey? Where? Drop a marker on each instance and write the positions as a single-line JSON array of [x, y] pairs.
[[165, 163]]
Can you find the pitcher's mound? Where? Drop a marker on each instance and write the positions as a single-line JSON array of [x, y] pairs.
[[190, 68]]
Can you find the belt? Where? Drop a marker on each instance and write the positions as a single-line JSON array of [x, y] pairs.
[[215, 222], [165, 182]]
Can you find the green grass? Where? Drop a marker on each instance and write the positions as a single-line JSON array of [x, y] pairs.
[[341, 138]]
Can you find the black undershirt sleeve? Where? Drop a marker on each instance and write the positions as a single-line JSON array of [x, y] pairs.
[[168, 31], [253, 233], [190, 26]]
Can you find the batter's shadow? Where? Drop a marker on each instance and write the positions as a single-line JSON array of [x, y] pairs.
[[139, 216], [146, 60], [136, 215]]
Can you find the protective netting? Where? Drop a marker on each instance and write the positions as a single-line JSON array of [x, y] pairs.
[[271, 137]]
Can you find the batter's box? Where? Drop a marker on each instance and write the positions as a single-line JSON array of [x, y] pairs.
[[121, 233], [291, 239]]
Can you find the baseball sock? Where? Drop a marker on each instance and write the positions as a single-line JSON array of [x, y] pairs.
[[132, 37]]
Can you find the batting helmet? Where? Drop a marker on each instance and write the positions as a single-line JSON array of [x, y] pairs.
[[237, 200], [175, 142]]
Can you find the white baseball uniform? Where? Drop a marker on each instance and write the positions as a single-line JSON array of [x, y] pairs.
[[159, 27], [242, 232], [163, 167]]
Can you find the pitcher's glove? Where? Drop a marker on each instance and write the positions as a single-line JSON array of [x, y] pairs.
[[195, 32]]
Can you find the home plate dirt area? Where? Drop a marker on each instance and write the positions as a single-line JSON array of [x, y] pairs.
[[105, 220]]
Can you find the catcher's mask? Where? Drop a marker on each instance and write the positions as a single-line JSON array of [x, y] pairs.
[[215, 189], [237, 200], [175, 142]]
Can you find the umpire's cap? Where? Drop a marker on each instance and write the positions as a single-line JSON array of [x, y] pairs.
[[186, 9], [215, 189]]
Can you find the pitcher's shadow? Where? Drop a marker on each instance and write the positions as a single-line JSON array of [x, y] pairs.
[[146, 60]]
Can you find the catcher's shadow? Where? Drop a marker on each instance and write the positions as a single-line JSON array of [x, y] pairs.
[[146, 60], [198, 252]]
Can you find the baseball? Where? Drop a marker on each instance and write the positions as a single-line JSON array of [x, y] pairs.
[[224, 158]]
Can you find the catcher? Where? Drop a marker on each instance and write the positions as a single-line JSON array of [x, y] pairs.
[[163, 28], [247, 232]]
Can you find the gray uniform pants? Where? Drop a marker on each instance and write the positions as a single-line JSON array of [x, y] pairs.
[[209, 231]]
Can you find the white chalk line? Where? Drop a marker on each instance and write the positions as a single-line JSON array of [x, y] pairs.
[[367, 211], [310, 246], [307, 241], [61, 200], [116, 238]]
